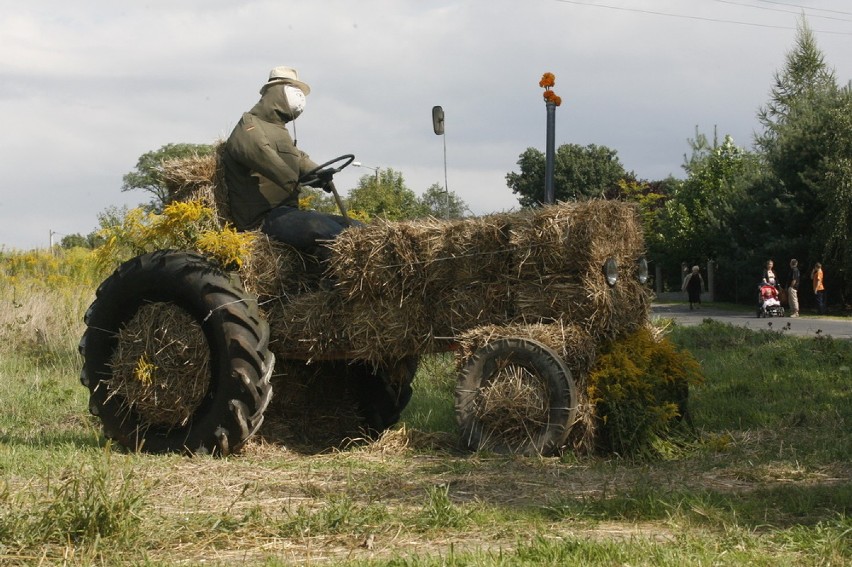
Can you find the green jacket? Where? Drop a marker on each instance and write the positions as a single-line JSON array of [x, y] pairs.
[[262, 164]]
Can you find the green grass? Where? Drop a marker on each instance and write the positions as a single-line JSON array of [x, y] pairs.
[[767, 381], [762, 479], [435, 385]]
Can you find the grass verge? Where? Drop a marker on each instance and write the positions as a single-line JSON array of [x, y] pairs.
[[762, 480]]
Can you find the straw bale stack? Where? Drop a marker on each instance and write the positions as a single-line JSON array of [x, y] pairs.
[[412, 285], [198, 178], [404, 288], [415, 287]]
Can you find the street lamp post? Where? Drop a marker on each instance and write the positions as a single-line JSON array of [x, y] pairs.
[[438, 128], [376, 169]]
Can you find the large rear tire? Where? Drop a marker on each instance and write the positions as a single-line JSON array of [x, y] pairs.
[[515, 395], [231, 374]]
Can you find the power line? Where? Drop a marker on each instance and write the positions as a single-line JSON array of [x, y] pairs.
[[783, 11], [687, 17], [805, 7]]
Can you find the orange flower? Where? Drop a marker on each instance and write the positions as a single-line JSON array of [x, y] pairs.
[[550, 96], [547, 80]]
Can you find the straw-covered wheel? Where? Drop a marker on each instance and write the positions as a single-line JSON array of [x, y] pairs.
[[176, 356], [515, 395]]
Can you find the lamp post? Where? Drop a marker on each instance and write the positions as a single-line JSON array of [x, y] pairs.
[[376, 169], [438, 128]]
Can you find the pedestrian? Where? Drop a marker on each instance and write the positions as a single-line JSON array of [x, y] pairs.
[[685, 272], [769, 273], [819, 287], [694, 285], [793, 288]]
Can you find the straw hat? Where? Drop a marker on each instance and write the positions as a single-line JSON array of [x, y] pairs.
[[285, 75]]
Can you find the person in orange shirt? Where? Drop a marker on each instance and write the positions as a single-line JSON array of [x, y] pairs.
[[819, 288]]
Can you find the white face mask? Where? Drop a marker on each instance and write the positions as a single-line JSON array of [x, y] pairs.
[[296, 99]]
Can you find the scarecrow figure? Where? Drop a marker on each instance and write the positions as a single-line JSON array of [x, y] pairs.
[[263, 166]]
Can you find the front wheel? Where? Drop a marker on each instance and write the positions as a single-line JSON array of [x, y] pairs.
[[176, 356], [515, 395]]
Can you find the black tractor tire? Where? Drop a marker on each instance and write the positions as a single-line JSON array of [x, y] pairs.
[[237, 339], [539, 372], [383, 392]]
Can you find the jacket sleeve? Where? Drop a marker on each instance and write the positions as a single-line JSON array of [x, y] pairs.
[[306, 164], [249, 145]]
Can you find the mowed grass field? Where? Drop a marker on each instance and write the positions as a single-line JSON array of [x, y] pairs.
[[763, 478]]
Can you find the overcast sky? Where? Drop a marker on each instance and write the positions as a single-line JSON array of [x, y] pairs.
[[89, 86]]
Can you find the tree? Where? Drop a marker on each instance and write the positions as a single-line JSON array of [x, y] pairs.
[[820, 126], [112, 216], [701, 219], [442, 204], [805, 72], [836, 192], [317, 200], [148, 175], [579, 172], [807, 141], [385, 195], [651, 198], [76, 240]]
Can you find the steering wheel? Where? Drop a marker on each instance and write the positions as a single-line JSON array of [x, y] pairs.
[[325, 172]]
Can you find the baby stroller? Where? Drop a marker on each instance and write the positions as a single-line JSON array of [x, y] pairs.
[[768, 304]]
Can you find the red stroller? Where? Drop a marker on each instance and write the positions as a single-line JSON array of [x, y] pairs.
[[768, 303]]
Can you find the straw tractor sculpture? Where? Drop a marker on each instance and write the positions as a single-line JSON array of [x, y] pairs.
[[181, 353]]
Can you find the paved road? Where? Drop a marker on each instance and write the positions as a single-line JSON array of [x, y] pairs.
[[805, 326]]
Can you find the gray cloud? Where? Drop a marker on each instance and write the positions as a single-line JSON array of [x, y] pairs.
[[87, 87]]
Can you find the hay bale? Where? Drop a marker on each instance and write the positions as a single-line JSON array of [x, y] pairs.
[[198, 178], [314, 407], [160, 367], [402, 260], [274, 270], [536, 265], [560, 276], [515, 405]]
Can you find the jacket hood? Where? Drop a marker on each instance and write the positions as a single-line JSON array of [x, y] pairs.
[[273, 106]]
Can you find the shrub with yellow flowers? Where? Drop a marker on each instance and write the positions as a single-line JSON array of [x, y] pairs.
[[639, 386], [183, 225]]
